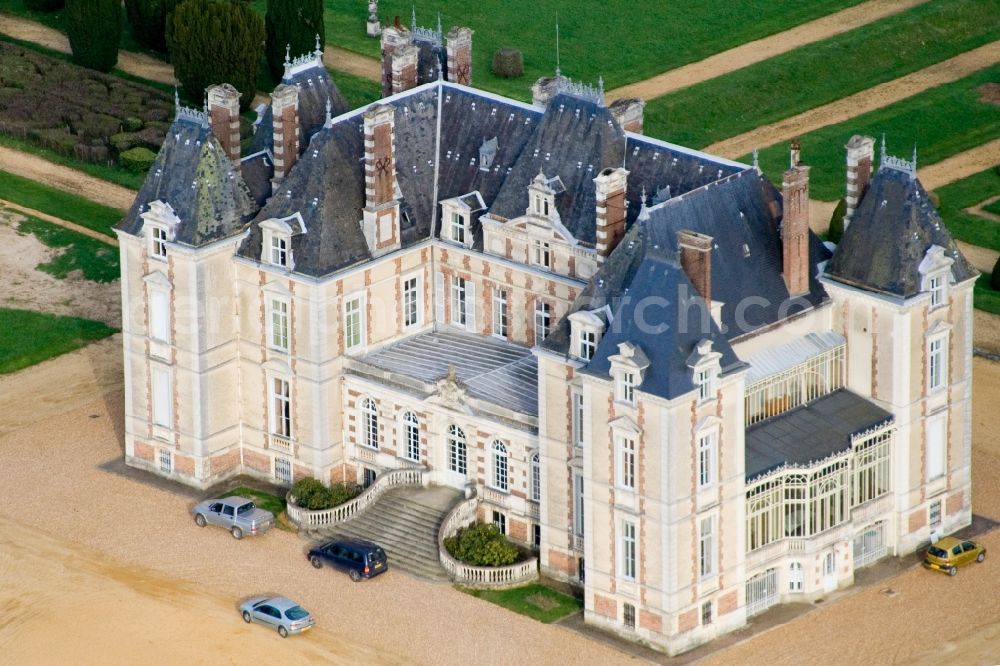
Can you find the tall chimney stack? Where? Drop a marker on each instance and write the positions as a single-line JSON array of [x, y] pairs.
[[860, 156], [696, 260], [795, 225], [459, 45], [628, 113], [611, 208], [285, 114], [224, 119], [380, 220], [399, 60]]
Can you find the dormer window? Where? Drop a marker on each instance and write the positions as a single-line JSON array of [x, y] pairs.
[[487, 153], [586, 328], [588, 344], [458, 214], [935, 285], [626, 387], [158, 242], [705, 379], [543, 254], [279, 251], [935, 269], [458, 228], [276, 245], [160, 225], [704, 364], [628, 367]]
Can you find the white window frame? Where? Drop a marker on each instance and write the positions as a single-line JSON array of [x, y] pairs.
[[354, 321], [796, 576], [459, 301], [457, 229], [458, 451], [830, 563], [412, 306], [626, 386], [411, 437], [500, 520], [937, 362], [500, 478], [369, 424], [706, 613], [579, 501], [278, 309], [587, 343], [162, 396], [501, 315], [280, 402], [707, 552], [279, 250], [282, 464], [936, 286], [543, 320], [628, 562], [159, 314], [158, 239], [705, 380], [708, 453], [536, 478], [627, 461], [542, 254], [579, 420], [936, 447]]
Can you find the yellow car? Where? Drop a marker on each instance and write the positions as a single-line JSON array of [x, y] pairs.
[[950, 553]]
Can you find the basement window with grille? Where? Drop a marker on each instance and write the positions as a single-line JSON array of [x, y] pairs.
[[628, 616]]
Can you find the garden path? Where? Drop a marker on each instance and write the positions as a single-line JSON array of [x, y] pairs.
[[58, 220], [873, 98], [960, 166], [64, 178], [980, 209], [350, 62], [762, 49]]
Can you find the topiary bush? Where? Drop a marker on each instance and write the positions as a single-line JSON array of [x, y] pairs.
[[310, 493], [482, 545], [995, 276], [291, 24], [836, 230], [508, 63], [44, 5], [148, 20], [94, 28], [137, 159]]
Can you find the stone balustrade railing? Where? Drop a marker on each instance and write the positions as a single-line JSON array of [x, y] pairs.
[[307, 519]]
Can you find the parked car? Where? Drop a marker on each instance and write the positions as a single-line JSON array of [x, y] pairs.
[[949, 553], [239, 515], [279, 612], [360, 559]]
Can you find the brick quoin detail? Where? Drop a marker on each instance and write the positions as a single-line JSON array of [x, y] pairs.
[[562, 562], [257, 462], [606, 607], [184, 465], [955, 502], [917, 520], [728, 603], [651, 621], [223, 463], [144, 451], [687, 621]]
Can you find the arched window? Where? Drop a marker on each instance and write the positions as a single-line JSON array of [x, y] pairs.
[[369, 425], [411, 437], [456, 450], [536, 478], [500, 469]]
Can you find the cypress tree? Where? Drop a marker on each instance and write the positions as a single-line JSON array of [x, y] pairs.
[[216, 41], [44, 5], [995, 276], [293, 23], [94, 28], [148, 19]]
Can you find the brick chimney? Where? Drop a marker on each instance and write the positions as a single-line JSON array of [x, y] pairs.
[[399, 60], [860, 156], [381, 213], [611, 208], [459, 45], [285, 112], [795, 225], [696, 260], [628, 113], [224, 119]]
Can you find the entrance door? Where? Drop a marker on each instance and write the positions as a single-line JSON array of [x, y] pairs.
[[830, 571], [458, 462]]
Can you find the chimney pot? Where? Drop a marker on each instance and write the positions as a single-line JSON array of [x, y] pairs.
[[860, 157], [224, 118], [696, 260], [795, 228], [285, 118], [610, 189]]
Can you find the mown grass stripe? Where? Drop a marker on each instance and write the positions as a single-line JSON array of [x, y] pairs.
[[78, 210], [28, 337]]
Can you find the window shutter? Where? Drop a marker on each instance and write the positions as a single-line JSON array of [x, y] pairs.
[[161, 397], [470, 306], [439, 297], [935, 448], [159, 315]]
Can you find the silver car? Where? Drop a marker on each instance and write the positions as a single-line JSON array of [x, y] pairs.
[[239, 515], [279, 612]]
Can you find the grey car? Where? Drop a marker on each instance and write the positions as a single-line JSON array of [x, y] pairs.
[[280, 613], [239, 515]]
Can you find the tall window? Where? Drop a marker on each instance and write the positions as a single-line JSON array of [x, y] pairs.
[[500, 469], [162, 397], [935, 448], [457, 228], [543, 254], [626, 387], [158, 238], [459, 303], [543, 316], [411, 436], [588, 343], [281, 407], [626, 460], [279, 250], [279, 324], [796, 487], [352, 323], [706, 547], [500, 520], [628, 550], [936, 287], [536, 478], [871, 469], [411, 302], [578, 420], [706, 460], [578, 505], [500, 313], [935, 364], [159, 315], [456, 450], [369, 423]]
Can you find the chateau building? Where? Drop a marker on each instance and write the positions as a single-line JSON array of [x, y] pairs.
[[638, 354]]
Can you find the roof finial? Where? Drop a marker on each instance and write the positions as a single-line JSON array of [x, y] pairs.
[[177, 100], [288, 54], [914, 173], [756, 160], [329, 114], [883, 149], [319, 48], [557, 46], [413, 18], [440, 32]]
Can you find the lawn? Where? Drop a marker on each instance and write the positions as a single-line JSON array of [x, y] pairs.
[[28, 337], [96, 260], [984, 297], [60, 204], [112, 174], [55, 20], [941, 122], [263, 500], [823, 72], [660, 35], [537, 601], [993, 207], [356, 90], [961, 194]]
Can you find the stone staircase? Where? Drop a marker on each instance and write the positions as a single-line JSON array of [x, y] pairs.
[[405, 522]]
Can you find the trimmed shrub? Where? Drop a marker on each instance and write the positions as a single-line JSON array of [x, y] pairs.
[[148, 19], [995, 276], [508, 63], [216, 41], [836, 230], [132, 124], [305, 489], [293, 24], [309, 493], [44, 5], [482, 545], [94, 28], [137, 159]]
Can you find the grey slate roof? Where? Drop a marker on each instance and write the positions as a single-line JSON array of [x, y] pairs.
[[891, 230], [490, 369], [811, 432], [192, 173]]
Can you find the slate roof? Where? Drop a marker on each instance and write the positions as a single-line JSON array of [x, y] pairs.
[[193, 174], [811, 432], [891, 230]]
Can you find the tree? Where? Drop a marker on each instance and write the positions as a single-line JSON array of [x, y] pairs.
[[44, 5], [148, 19], [94, 28], [836, 230], [292, 24], [216, 41], [995, 276]]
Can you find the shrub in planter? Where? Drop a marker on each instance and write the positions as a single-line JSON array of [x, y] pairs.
[[482, 544], [309, 493], [508, 63], [304, 490], [137, 159]]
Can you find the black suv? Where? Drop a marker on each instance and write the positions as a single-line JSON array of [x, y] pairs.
[[360, 559]]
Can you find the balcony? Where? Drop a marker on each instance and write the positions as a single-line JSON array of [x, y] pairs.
[[493, 496], [279, 443]]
